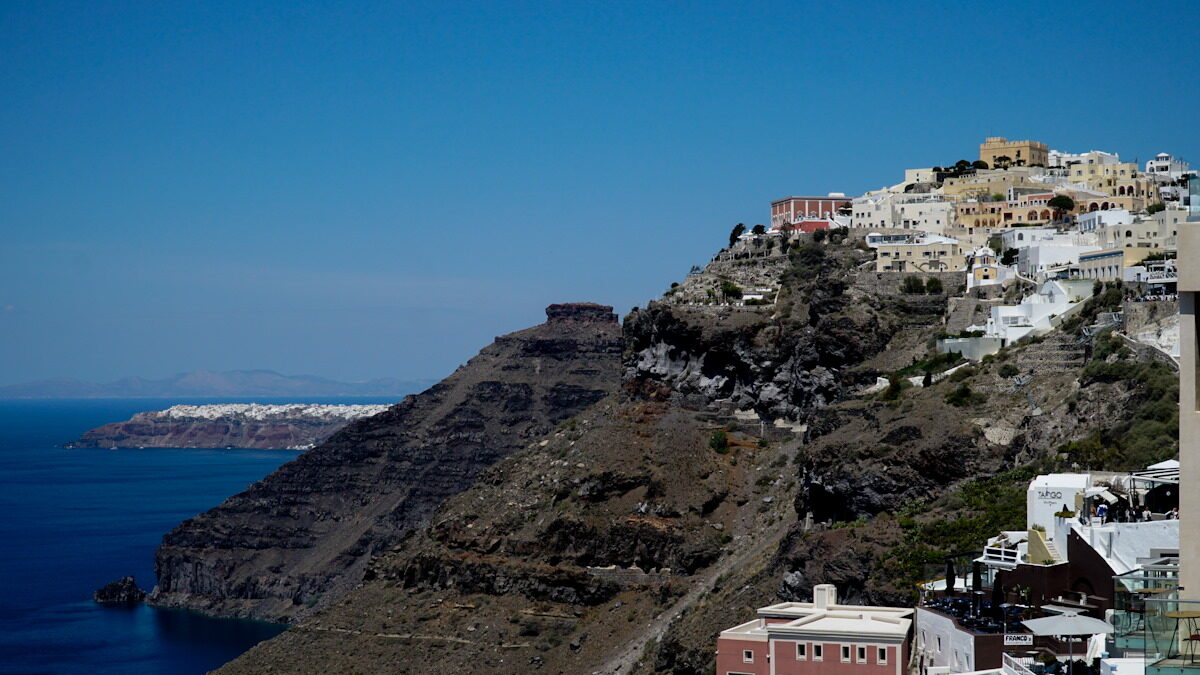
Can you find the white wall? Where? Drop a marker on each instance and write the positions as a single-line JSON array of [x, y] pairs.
[[957, 648]]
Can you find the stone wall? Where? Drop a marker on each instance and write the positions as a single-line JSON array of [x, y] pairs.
[[888, 283], [1139, 315]]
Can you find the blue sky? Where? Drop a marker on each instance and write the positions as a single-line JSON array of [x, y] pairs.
[[377, 189]]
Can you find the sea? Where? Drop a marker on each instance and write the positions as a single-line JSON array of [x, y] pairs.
[[74, 520]]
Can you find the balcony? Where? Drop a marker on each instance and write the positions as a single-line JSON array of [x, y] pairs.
[[1136, 595], [1172, 636]]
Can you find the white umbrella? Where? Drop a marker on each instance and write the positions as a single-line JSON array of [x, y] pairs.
[[1068, 624]]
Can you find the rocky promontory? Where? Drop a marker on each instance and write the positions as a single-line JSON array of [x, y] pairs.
[[293, 426], [301, 537]]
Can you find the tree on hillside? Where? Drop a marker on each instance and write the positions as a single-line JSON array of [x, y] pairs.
[[912, 284], [1061, 204], [1003, 161], [737, 232], [759, 229], [980, 164], [933, 286]]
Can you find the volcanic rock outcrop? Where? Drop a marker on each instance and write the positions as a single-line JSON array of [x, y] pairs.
[[303, 535], [123, 591]]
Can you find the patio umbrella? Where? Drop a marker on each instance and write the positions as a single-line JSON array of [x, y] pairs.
[[1068, 623]]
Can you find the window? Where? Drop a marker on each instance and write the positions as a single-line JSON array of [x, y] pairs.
[[862, 655], [747, 656], [845, 653], [818, 652], [1007, 320], [801, 651], [881, 657]]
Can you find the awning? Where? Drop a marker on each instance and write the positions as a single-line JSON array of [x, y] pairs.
[[1102, 493], [1068, 624]]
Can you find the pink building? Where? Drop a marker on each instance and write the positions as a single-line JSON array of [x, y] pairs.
[[790, 210], [819, 637]]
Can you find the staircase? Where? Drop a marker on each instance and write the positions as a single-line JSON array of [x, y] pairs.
[[1053, 550], [1058, 353]]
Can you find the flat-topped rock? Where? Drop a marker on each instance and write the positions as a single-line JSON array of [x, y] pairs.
[[581, 311]]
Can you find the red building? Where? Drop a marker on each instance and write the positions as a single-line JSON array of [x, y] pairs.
[[789, 210], [819, 637], [808, 225]]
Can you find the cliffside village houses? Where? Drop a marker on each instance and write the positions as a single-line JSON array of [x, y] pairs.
[[1099, 580], [997, 222]]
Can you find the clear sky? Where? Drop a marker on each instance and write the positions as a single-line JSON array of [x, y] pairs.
[[360, 189]]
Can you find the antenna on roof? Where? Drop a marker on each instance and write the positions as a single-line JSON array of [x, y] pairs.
[[1020, 382]]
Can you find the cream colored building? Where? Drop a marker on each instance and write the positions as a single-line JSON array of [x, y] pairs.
[[1148, 232], [1188, 266], [1125, 186], [1017, 153], [921, 253], [989, 182]]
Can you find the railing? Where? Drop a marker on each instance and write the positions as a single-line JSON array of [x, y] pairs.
[[1016, 667], [999, 554]]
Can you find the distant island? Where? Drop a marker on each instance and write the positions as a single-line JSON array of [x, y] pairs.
[[295, 426], [204, 383]]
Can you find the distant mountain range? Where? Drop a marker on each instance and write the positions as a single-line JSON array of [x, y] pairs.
[[204, 383]]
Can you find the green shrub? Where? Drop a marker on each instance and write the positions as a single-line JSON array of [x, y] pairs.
[[963, 396], [912, 284], [719, 441], [1008, 370], [933, 286]]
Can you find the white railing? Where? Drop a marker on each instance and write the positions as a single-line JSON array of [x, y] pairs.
[[1014, 666], [1010, 556]]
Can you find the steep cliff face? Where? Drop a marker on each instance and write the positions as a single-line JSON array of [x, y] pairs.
[[228, 425], [558, 557], [780, 362], [303, 535]]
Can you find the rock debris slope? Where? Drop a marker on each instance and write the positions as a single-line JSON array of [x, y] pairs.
[[303, 535]]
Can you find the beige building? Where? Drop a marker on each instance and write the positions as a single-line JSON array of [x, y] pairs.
[[990, 182], [998, 150], [1189, 406], [921, 253], [1151, 232]]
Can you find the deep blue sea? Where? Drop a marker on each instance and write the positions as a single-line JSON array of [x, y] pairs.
[[73, 520]]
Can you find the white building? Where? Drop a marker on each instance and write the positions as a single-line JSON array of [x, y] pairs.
[[1020, 237], [1060, 159], [1044, 258], [1094, 220], [1036, 313], [1167, 165], [929, 212]]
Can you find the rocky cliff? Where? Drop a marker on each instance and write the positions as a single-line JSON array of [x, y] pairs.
[[303, 535], [624, 541], [228, 425]]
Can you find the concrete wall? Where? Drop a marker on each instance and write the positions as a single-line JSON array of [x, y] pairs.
[[972, 349]]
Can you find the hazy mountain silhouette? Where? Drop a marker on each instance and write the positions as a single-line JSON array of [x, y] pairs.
[[233, 383]]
